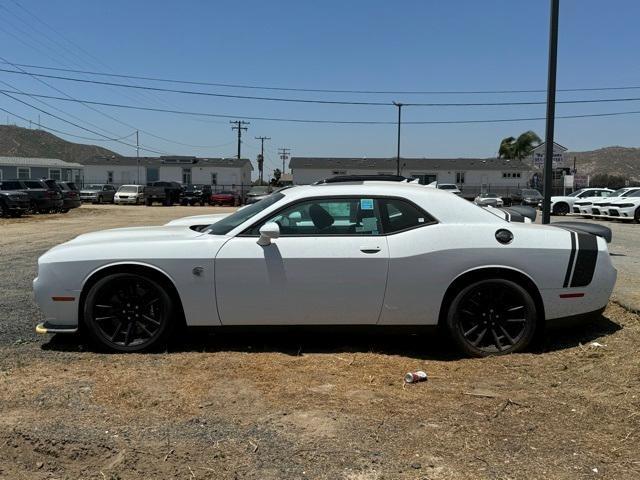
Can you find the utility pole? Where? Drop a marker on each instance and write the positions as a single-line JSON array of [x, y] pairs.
[[284, 155], [238, 125], [399, 105], [551, 110], [261, 159], [138, 157]]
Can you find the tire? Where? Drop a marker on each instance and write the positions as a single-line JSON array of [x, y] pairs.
[[99, 201], [490, 317], [3, 210], [561, 209], [148, 202], [128, 312], [636, 216]]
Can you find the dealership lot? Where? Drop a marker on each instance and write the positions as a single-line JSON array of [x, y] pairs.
[[309, 406]]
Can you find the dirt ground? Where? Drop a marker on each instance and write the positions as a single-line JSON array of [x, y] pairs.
[[297, 405]]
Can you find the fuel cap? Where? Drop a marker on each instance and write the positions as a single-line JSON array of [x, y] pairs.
[[504, 236]]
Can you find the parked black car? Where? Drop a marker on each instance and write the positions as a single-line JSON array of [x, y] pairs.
[[166, 193], [70, 196], [192, 194], [526, 196], [13, 203], [42, 198]]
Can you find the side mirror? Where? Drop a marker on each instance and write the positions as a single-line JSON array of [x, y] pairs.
[[269, 231]]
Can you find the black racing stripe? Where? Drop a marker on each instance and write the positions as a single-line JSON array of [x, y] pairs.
[[586, 260], [571, 257]]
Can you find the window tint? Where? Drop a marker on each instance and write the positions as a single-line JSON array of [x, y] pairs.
[[398, 215], [33, 184], [10, 185], [339, 216]]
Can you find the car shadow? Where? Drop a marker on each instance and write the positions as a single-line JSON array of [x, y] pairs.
[[432, 344]]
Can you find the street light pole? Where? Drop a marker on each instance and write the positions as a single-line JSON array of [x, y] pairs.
[[551, 111], [399, 105]]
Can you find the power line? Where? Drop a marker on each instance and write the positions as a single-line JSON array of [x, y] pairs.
[[78, 126], [327, 90], [61, 132], [192, 92], [319, 121], [318, 101]]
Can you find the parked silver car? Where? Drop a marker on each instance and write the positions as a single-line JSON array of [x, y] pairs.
[[98, 193], [489, 200], [129, 194]]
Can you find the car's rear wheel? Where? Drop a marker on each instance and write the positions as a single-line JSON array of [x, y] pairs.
[[561, 209], [128, 312], [492, 317]]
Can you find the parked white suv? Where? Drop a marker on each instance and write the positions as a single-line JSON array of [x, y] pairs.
[[129, 194]]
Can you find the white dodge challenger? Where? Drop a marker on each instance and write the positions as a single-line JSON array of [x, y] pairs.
[[355, 253]]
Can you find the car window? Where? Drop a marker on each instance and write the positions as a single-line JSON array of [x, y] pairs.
[[10, 185], [398, 215], [334, 216], [33, 184], [237, 218]]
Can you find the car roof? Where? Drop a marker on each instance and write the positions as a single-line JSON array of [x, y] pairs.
[[442, 205]]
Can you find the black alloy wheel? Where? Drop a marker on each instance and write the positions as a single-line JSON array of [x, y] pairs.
[[492, 317], [636, 216], [561, 209], [128, 312]]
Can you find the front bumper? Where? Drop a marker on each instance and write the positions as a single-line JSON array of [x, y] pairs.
[[627, 213], [88, 198], [128, 200]]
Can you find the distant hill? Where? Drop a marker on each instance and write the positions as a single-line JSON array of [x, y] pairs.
[[25, 142], [623, 161]]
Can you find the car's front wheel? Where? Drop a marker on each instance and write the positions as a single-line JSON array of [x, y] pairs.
[[492, 317], [561, 209], [128, 312]]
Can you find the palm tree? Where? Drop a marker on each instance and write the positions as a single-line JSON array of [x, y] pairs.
[[518, 148]]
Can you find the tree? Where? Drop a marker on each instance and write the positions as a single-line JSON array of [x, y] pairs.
[[518, 148], [276, 176], [606, 180]]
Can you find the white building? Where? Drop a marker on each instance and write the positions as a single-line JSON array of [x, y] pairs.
[[226, 173], [472, 175], [24, 168]]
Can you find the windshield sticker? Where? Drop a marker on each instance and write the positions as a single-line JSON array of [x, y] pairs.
[[366, 204]]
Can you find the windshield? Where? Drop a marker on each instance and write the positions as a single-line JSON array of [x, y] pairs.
[[489, 195], [447, 187], [531, 193], [93, 187], [258, 191], [224, 226], [634, 194], [623, 193], [128, 189], [576, 193]]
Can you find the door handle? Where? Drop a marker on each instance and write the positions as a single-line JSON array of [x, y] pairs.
[[370, 249]]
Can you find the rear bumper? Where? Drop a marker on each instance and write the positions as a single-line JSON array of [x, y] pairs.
[[71, 203]]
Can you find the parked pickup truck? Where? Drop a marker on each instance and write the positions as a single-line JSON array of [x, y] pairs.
[[166, 193]]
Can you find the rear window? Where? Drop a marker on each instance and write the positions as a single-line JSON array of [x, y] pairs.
[[398, 215], [10, 185]]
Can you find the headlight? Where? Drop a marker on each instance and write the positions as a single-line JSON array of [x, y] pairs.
[[625, 205]]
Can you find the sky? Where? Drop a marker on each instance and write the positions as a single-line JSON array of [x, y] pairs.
[[428, 45]]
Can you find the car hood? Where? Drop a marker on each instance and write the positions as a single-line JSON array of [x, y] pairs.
[[135, 234], [565, 199], [198, 219]]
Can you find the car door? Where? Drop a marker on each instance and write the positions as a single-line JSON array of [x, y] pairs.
[[329, 266]]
